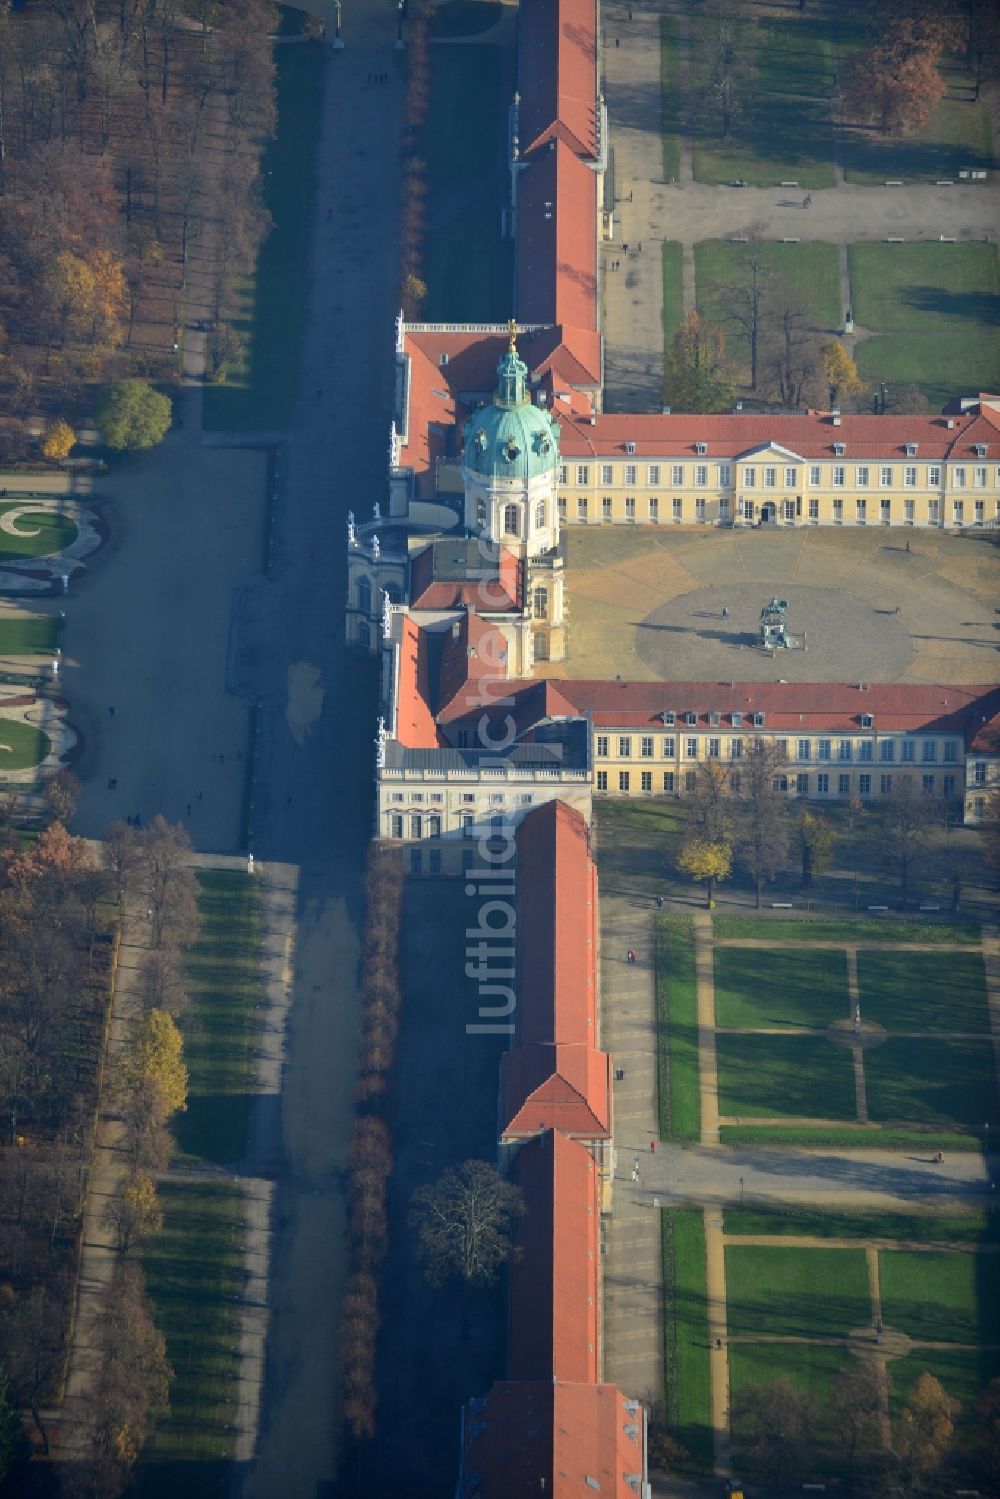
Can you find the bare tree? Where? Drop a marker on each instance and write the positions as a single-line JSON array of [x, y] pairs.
[[773, 1428], [762, 829], [901, 830], [746, 301], [464, 1223]]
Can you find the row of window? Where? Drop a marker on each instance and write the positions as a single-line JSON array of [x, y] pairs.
[[787, 509], [767, 476], [420, 825], [826, 784], [496, 798], [804, 749]]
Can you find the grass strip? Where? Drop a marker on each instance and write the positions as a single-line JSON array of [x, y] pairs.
[[861, 1137], [271, 306], [928, 1226], [802, 1293], [685, 1330], [678, 1082], [221, 1024], [671, 102], [28, 635], [845, 931], [673, 289], [194, 1271]]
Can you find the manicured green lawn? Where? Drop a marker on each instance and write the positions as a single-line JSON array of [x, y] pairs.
[[785, 1076], [221, 1025], [677, 1030], [812, 271], [925, 288], [808, 1367], [671, 107], [924, 991], [802, 1293], [464, 17], [271, 304], [858, 1137], [940, 1296], [943, 365], [786, 131], [846, 930], [814, 1223], [673, 289], [21, 745], [54, 531], [28, 635], [469, 273], [931, 1082], [194, 1272], [464, 136], [964, 1373], [957, 136], [763, 987], [688, 1387], [636, 841]]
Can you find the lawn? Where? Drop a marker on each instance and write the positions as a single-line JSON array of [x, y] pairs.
[[800, 1293], [671, 106], [677, 1030], [931, 1082], [808, 1367], [39, 532], [21, 745], [925, 288], [940, 1296], [926, 1227], [943, 365], [858, 1137], [957, 136], [784, 1077], [195, 1272], [811, 271], [28, 635], [924, 991], [762, 987], [469, 272], [464, 136], [222, 1023], [845, 931], [786, 130], [964, 1373], [673, 289], [686, 1367], [261, 395], [635, 841]]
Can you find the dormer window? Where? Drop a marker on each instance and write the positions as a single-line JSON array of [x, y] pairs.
[[911, 450], [442, 360], [701, 448], [736, 719], [758, 720], [714, 720], [630, 447], [981, 449], [667, 717], [839, 449], [866, 720], [690, 718]]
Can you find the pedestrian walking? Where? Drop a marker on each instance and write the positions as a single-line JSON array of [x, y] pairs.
[[625, 249], [199, 796], [908, 546], [659, 902], [652, 1146], [111, 711], [897, 608], [638, 248], [189, 809], [725, 611], [617, 42]]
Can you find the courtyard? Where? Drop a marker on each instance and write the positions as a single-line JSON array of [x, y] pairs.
[[647, 604]]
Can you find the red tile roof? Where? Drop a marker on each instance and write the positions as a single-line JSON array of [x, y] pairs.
[[415, 726], [554, 1281], [556, 929], [555, 1087], [897, 707], [557, 240], [522, 1436], [558, 74], [499, 594], [473, 656], [810, 436]]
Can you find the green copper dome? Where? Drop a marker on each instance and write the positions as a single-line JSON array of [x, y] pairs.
[[512, 439]]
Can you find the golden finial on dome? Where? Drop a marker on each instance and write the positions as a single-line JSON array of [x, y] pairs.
[[512, 330]]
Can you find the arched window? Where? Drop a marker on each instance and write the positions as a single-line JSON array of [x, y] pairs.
[[365, 595], [511, 520], [365, 637], [540, 603], [393, 592], [540, 515]]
